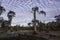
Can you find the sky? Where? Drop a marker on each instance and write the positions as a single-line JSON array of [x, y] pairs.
[[24, 13]]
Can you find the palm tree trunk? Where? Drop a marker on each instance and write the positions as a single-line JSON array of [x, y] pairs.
[[35, 21], [10, 19]]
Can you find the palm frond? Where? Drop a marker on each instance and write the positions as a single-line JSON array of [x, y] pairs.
[[43, 12], [57, 16], [35, 8], [11, 12], [1, 9]]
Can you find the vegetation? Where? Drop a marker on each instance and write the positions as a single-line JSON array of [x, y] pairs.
[[34, 25], [51, 26]]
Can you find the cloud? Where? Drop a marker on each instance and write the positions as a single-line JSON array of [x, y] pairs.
[[24, 13]]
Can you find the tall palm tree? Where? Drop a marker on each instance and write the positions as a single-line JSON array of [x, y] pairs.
[[35, 9], [2, 9], [10, 15]]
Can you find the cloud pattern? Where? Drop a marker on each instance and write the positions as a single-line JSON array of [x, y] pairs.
[[24, 13]]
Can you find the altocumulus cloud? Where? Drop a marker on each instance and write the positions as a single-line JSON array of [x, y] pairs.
[[24, 13]]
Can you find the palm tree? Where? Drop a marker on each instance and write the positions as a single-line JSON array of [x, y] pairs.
[[29, 24], [57, 21], [35, 9], [2, 9], [10, 15]]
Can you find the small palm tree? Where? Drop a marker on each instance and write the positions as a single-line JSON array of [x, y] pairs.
[[10, 15], [35, 9], [29, 24], [1, 9]]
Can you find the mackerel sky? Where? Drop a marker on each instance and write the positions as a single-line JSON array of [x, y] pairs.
[[24, 13]]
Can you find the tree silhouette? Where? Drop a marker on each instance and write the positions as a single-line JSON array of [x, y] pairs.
[[5, 24], [1, 9], [35, 9], [57, 21], [29, 24], [57, 18], [10, 15]]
